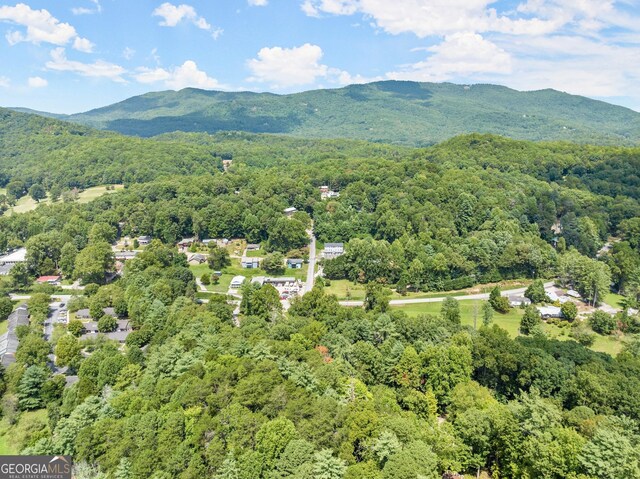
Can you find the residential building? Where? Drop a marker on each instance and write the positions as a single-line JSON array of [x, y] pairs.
[[333, 250], [9, 341], [197, 258], [550, 312], [517, 301], [237, 282], [295, 263], [48, 280], [84, 313], [574, 294], [253, 247], [290, 211], [9, 260], [125, 255], [144, 240], [250, 263]]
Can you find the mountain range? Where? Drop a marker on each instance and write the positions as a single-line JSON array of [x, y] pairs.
[[397, 112]]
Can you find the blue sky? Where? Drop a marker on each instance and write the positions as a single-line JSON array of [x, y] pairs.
[[73, 55]]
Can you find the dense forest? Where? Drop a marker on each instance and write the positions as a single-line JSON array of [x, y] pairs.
[[321, 390], [399, 112]]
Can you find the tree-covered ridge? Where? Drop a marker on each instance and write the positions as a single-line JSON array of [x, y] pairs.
[[48, 152], [408, 113]]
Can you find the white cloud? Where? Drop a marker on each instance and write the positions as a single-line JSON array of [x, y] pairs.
[[435, 17], [128, 53], [97, 8], [174, 14], [258, 3], [83, 45], [217, 33], [458, 56], [98, 69], [187, 75], [4, 82], [286, 67], [37, 82], [41, 27]]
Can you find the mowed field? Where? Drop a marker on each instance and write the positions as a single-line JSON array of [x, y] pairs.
[[26, 203], [510, 322]]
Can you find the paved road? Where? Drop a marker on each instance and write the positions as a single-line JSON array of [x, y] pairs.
[[57, 315], [396, 302], [308, 285], [63, 298]]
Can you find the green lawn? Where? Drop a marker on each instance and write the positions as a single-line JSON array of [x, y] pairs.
[[3, 326], [510, 322], [613, 299], [260, 253], [340, 287], [14, 438], [26, 203], [237, 270]]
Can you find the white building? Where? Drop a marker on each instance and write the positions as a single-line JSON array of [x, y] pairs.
[[237, 281], [332, 250], [9, 260], [550, 312]]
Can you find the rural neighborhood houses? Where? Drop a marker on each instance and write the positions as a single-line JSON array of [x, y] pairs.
[[294, 263]]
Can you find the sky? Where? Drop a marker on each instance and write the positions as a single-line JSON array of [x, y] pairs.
[[68, 56]]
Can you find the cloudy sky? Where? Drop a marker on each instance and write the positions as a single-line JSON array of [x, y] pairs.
[[73, 55]]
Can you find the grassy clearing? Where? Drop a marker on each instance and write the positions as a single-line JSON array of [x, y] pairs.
[[345, 289], [15, 438], [237, 270], [510, 322], [3, 326], [26, 203], [614, 300]]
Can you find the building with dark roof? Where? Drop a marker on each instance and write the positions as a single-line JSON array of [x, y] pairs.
[[9, 341]]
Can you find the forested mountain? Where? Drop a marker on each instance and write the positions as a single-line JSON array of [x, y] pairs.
[[34, 149], [408, 113]]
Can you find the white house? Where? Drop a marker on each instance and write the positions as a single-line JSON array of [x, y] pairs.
[[237, 282], [290, 211], [550, 312], [332, 250], [9, 260]]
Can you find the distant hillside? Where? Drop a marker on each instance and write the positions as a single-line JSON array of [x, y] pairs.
[[408, 113], [35, 149]]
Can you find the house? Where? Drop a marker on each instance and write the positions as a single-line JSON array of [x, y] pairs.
[[333, 250], [144, 240], [253, 247], [294, 263], [516, 301], [281, 282], [574, 294], [326, 193], [290, 211], [48, 280], [208, 241], [123, 325], [237, 282], [84, 313], [125, 255], [90, 327], [550, 312], [197, 258], [250, 263], [9, 341], [553, 297], [184, 243], [8, 261]]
